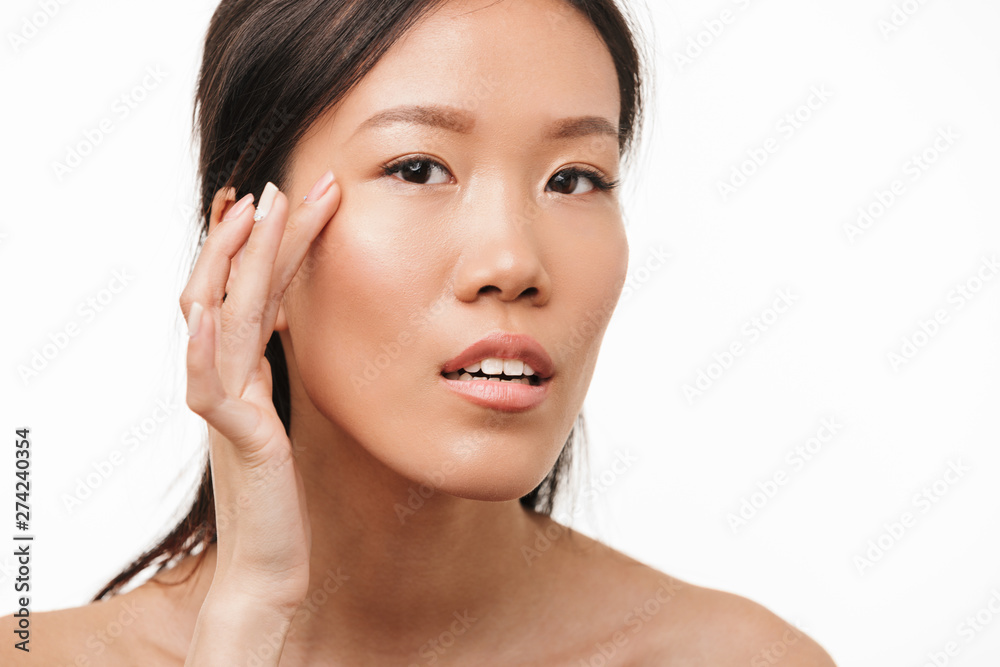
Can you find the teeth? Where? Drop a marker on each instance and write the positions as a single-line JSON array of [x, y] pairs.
[[495, 366], [492, 366], [465, 377], [512, 367], [512, 370]]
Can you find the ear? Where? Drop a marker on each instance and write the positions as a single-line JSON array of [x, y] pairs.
[[222, 202]]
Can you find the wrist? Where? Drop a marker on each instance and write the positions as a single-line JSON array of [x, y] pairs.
[[242, 597], [237, 626]]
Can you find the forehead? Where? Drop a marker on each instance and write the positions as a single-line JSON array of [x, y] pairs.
[[522, 63]]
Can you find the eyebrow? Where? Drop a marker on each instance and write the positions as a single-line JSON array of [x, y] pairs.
[[460, 121]]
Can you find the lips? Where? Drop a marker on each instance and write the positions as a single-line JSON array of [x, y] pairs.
[[505, 345]]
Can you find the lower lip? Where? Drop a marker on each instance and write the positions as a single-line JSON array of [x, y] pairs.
[[504, 396]]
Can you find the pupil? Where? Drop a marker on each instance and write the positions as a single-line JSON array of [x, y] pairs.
[[567, 178], [416, 167]]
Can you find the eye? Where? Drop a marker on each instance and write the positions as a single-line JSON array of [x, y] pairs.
[[568, 180], [415, 170]]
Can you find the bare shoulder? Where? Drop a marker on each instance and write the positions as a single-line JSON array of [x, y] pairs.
[[657, 619], [709, 626], [729, 629], [116, 632]]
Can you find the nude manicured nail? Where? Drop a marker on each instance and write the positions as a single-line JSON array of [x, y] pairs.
[[320, 187], [239, 207], [194, 318], [266, 199]]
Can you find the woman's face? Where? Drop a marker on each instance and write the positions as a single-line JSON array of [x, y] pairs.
[[487, 230]]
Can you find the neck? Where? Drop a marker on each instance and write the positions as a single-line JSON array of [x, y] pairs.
[[398, 563]]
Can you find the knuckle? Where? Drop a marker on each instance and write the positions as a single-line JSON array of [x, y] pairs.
[[252, 250], [198, 402], [238, 323], [275, 297]]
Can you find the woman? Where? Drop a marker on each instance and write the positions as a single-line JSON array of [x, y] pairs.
[[437, 205]]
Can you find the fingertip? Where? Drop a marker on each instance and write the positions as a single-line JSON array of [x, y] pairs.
[[320, 187], [194, 319]]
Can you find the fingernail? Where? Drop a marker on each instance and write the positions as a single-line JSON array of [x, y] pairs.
[[239, 207], [320, 187], [266, 199], [194, 318]]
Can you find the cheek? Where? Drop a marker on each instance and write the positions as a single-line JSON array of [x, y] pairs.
[[368, 279], [589, 273]]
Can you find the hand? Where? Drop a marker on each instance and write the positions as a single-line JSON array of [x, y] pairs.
[[264, 538]]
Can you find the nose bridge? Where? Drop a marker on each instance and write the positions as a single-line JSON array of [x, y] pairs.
[[502, 252]]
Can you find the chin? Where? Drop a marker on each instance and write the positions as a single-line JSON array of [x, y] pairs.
[[497, 468]]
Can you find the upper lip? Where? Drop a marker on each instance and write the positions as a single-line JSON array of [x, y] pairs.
[[505, 345]]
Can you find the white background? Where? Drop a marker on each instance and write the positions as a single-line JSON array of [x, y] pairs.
[[691, 463]]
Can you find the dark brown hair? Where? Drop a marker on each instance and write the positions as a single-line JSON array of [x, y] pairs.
[[269, 69]]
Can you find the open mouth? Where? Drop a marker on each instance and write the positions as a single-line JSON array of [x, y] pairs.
[[508, 385], [465, 375]]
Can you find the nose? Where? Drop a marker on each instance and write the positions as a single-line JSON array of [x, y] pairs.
[[503, 256]]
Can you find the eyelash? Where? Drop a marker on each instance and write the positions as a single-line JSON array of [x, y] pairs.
[[597, 178]]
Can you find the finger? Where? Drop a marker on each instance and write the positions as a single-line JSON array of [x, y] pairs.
[[224, 199], [245, 331], [208, 278], [206, 396], [302, 228], [235, 268]]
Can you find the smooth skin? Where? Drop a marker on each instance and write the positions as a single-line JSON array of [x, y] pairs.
[[324, 557]]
